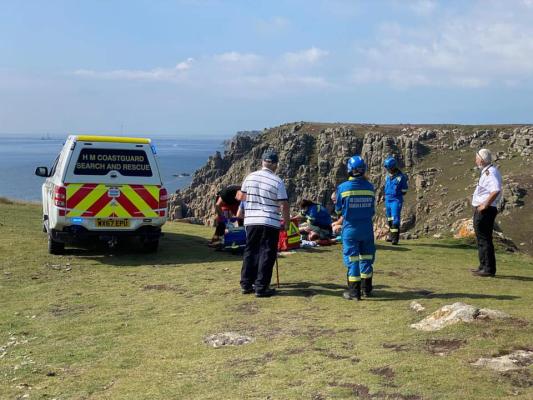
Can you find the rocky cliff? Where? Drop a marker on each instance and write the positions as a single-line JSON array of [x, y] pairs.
[[438, 159]]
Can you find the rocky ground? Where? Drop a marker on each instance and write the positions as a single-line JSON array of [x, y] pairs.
[[439, 160]]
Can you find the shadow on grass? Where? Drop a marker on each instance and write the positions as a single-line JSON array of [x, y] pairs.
[[462, 245], [384, 295], [391, 247], [174, 249], [515, 278], [309, 289]]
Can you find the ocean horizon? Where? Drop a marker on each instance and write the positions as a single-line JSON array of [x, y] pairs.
[[178, 157]]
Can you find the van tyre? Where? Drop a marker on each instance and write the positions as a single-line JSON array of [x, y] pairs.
[[151, 246], [55, 247]]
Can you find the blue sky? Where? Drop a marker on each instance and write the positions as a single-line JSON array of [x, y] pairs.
[[210, 67]]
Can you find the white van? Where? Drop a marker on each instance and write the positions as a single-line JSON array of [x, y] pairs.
[[104, 187]]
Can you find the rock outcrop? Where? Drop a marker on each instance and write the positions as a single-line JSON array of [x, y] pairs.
[[438, 161]]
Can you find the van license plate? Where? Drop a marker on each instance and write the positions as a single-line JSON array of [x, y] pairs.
[[112, 223]]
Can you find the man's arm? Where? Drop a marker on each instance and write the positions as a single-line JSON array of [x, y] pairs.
[[285, 213], [241, 196], [218, 205], [405, 187], [488, 202]]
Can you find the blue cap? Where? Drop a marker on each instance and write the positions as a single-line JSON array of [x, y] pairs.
[[270, 155]]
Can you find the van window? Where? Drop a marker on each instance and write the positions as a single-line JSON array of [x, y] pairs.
[[54, 166], [101, 161]]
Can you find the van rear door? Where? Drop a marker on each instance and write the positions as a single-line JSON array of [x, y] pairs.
[[108, 180]]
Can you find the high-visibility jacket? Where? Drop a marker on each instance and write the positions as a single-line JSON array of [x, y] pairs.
[[396, 186]]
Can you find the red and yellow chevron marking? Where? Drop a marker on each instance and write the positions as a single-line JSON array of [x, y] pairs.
[[92, 200]]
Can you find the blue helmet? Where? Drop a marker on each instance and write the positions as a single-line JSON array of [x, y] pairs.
[[356, 164], [390, 163]]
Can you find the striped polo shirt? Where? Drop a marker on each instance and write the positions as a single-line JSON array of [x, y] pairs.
[[264, 190]]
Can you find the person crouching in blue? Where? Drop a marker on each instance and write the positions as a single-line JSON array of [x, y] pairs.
[[395, 188], [355, 203]]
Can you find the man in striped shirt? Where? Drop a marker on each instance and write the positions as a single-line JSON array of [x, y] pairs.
[[264, 193]]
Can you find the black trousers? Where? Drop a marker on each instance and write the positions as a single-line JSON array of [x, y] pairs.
[[259, 256], [483, 226]]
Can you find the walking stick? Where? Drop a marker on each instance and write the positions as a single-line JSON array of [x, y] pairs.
[[277, 271]]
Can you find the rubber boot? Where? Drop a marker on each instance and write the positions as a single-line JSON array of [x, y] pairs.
[[353, 292], [367, 287], [395, 235]]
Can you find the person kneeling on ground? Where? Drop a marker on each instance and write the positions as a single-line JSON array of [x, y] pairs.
[[318, 220], [226, 207]]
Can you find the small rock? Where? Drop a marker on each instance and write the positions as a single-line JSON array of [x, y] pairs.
[[416, 306], [227, 339], [516, 360], [51, 373]]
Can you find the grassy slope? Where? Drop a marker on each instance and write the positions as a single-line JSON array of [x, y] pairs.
[[95, 326]]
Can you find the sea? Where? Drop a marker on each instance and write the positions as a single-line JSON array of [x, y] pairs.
[[19, 156]]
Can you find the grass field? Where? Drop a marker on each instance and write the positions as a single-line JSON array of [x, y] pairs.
[[101, 324]]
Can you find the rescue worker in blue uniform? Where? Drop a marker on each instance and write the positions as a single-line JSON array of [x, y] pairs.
[[355, 203], [395, 188], [318, 220]]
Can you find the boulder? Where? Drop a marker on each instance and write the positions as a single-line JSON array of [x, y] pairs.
[[463, 228], [455, 313]]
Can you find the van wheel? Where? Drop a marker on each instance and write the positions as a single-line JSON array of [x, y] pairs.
[[55, 247], [151, 246]]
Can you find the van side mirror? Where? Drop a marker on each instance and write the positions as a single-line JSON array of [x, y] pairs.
[[42, 171]]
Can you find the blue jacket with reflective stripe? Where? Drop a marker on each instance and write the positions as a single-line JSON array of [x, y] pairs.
[[395, 186], [318, 215], [355, 201]]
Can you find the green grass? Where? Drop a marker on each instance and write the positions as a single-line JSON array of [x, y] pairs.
[[127, 325]]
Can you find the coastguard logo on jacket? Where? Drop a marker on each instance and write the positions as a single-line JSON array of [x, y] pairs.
[[355, 200]]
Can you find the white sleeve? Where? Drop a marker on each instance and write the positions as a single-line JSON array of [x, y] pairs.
[[282, 193], [244, 186]]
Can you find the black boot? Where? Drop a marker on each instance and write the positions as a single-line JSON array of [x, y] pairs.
[[395, 236], [367, 287], [353, 292]]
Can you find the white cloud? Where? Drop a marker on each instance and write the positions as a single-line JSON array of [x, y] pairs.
[[235, 73], [489, 44], [185, 65], [175, 74], [309, 56]]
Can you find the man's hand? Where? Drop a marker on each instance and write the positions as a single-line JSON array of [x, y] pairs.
[[481, 207], [285, 214]]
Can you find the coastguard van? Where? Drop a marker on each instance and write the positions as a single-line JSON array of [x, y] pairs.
[[103, 187]]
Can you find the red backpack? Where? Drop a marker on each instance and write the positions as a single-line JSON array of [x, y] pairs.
[[290, 239]]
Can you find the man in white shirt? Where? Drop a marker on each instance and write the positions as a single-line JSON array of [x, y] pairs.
[[264, 193], [485, 200]]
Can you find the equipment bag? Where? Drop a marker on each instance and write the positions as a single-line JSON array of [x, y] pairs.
[[290, 239]]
